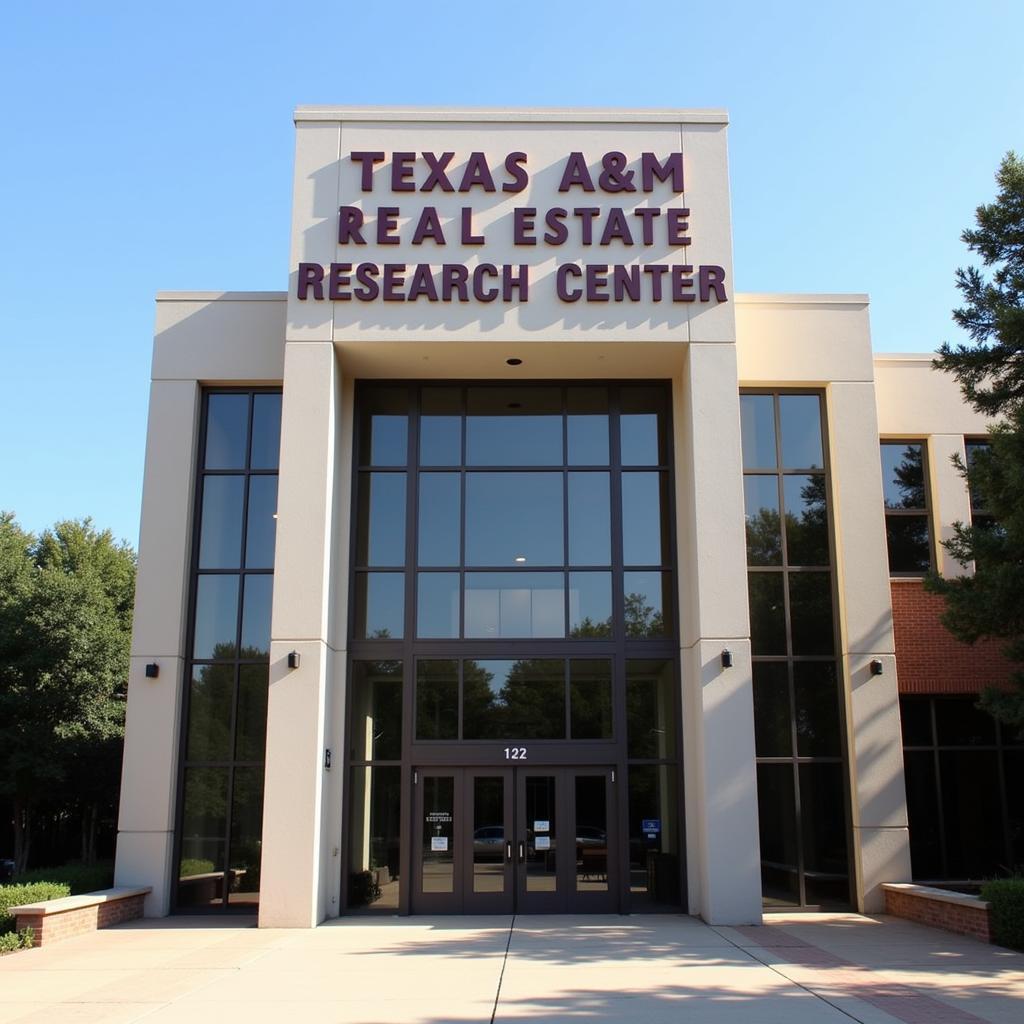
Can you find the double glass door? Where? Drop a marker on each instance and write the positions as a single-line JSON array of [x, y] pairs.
[[514, 840]]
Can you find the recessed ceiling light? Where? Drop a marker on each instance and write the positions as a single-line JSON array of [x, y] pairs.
[[520, 558], [514, 362]]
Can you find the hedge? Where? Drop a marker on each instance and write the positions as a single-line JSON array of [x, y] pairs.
[[16, 895], [1006, 900], [77, 876]]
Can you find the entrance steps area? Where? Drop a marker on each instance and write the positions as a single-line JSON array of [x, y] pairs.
[[796, 969]]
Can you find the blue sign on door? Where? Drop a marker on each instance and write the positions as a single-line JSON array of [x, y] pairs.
[[650, 825]]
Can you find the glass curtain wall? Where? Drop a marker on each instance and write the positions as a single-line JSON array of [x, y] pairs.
[[801, 770], [220, 811]]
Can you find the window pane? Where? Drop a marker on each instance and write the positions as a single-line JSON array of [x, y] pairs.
[[972, 450], [823, 828], [916, 721], [256, 616], [650, 709], [806, 519], [261, 524], [1013, 768], [644, 519], [648, 608], [764, 533], [440, 515], [643, 427], [903, 475], [810, 609], [246, 834], [220, 538], [653, 837], [757, 424], [513, 700], [211, 695], [541, 843], [588, 426], [488, 833], [227, 429], [515, 604], [923, 815], [376, 711], [590, 605], [816, 691], [251, 720], [800, 424], [204, 829], [590, 530], [767, 613], [514, 427], [973, 817], [441, 427], [960, 723], [591, 859], [908, 543], [776, 813], [380, 605], [375, 831], [380, 538], [437, 700], [437, 605], [384, 427], [514, 519], [590, 699], [216, 617], [266, 431], [773, 735]]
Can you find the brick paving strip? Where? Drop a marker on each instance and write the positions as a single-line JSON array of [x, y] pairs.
[[900, 1001]]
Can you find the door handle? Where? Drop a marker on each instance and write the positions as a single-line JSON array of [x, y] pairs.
[[522, 852], [508, 851]]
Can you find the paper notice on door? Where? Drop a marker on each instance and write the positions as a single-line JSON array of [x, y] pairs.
[[439, 844], [542, 843], [542, 826]]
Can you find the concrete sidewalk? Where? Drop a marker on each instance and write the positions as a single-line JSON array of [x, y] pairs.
[[798, 969]]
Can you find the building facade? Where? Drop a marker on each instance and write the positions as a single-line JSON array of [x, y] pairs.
[[510, 560]]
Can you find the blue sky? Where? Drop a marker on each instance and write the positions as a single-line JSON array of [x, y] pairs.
[[149, 147]]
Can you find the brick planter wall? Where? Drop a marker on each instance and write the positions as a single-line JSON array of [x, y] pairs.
[[54, 920], [953, 912]]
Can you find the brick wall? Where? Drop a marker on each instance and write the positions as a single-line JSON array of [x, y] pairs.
[[50, 928], [928, 658], [952, 917]]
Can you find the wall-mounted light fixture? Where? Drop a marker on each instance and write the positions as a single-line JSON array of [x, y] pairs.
[[293, 659], [152, 670], [877, 668], [726, 658]]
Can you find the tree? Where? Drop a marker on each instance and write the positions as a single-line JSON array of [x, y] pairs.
[[65, 628], [990, 370]]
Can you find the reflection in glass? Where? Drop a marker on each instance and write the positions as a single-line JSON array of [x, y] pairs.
[[211, 695], [266, 431], [800, 425], [916, 722], [648, 603], [591, 833], [767, 613], [972, 813], [513, 426], [653, 837], [384, 427], [776, 813], [251, 718], [644, 518], [810, 608], [764, 530], [642, 426], [926, 839], [514, 519], [903, 475], [650, 709], [823, 830], [757, 424], [806, 519], [816, 693], [203, 832], [437, 605], [488, 833], [587, 426], [375, 838], [261, 523], [246, 834], [220, 537], [216, 617], [380, 605], [513, 700], [515, 604], [541, 833], [590, 605], [440, 427], [438, 852], [976, 452], [908, 543], [380, 537], [961, 723], [256, 603], [376, 711], [773, 736], [227, 428], [440, 515], [590, 529], [437, 699], [590, 699]]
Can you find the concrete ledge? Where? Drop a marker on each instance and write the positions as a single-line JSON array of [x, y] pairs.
[[53, 920], [952, 911]]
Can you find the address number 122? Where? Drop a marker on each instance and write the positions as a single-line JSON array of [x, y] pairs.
[[515, 753]]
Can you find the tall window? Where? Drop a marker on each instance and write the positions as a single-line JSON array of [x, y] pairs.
[[980, 514], [907, 528], [801, 770], [220, 814]]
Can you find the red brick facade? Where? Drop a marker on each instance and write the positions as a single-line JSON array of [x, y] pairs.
[[928, 658]]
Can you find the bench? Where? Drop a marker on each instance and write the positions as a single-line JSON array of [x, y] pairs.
[[53, 920], [952, 911]]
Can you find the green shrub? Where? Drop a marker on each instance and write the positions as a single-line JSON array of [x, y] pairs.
[[80, 877], [11, 942], [195, 866], [1006, 899], [16, 895]]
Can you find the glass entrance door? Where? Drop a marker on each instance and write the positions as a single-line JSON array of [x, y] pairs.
[[525, 840]]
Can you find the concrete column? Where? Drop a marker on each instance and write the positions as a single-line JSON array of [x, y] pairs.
[[881, 844], [145, 838], [296, 857], [723, 858], [948, 495]]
